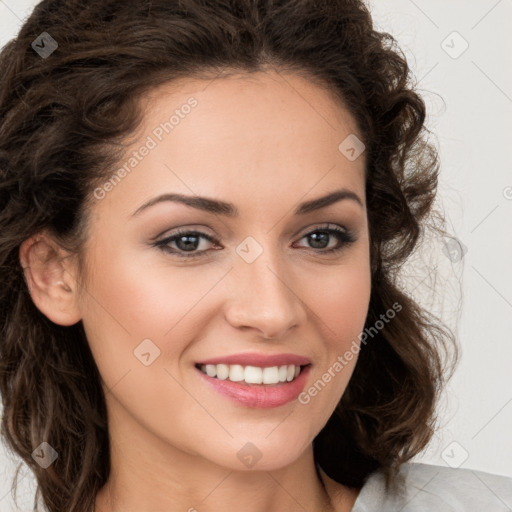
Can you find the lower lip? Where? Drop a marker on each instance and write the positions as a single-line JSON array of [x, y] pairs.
[[262, 396]]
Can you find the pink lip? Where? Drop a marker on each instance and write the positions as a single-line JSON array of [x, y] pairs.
[[263, 396], [260, 360]]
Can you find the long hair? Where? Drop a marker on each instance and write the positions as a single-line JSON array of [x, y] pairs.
[[64, 120]]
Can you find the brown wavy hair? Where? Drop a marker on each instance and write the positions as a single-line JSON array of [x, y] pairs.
[[64, 121]]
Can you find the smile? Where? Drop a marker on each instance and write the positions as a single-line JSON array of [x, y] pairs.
[[252, 374], [254, 386]]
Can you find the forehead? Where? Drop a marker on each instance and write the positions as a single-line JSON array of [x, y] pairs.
[[248, 138], [264, 104]]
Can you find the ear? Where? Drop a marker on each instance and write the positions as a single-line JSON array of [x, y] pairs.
[[50, 278]]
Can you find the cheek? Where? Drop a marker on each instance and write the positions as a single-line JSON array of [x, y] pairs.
[[341, 300], [130, 302], [340, 309]]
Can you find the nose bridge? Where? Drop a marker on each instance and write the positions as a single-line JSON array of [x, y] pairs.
[[262, 296]]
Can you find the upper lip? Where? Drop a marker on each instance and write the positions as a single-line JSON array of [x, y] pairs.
[[261, 360]]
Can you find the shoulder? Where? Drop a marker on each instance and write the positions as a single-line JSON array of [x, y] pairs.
[[443, 489]]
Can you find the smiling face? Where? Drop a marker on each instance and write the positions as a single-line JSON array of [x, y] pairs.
[[257, 279]]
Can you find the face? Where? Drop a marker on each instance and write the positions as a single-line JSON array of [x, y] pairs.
[[259, 283]]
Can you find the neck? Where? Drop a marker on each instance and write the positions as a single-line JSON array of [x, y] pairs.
[[198, 486]]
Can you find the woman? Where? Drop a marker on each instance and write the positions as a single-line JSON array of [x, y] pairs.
[[205, 207]]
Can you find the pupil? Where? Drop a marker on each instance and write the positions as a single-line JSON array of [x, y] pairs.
[[315, 237], [188, 243]]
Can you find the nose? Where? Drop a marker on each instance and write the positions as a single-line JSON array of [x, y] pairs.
[[263, 298]]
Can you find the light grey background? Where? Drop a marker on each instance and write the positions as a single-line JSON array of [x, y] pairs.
[[469, 100]]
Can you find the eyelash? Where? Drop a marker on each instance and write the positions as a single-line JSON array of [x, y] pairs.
[[345, 236]]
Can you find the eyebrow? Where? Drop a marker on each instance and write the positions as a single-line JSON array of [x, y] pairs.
[[218, 207]]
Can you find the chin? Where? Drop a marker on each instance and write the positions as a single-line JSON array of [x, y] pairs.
[[264, 452]]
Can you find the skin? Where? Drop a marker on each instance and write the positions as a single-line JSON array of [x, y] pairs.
[[264, 142]]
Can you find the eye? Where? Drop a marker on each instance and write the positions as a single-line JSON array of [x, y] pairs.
[[320, 237], [188, 241]]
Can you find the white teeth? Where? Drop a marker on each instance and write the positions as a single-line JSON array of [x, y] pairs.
[[222, 371], [211, 370], [271, 375], [252, 374], [236, 373]]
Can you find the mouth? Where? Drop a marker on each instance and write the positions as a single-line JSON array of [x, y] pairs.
[[251, 375], [256, 387]]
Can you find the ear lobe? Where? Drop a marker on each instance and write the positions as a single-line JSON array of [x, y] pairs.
[[49, 279]]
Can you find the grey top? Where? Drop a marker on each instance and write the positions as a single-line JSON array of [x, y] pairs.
[[438, 489]]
